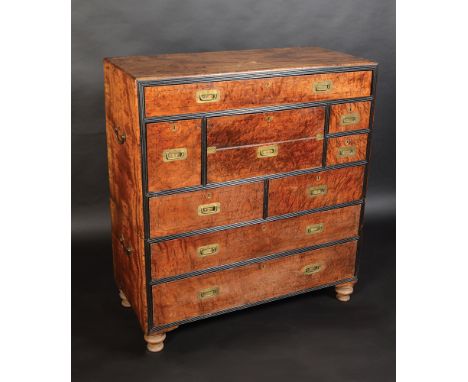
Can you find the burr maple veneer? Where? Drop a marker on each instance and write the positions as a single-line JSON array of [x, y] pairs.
[[236, 178]]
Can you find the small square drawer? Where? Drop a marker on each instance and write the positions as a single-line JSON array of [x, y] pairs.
[[238, 94], [173, 154], [251, 145], [214, 292], [349, 116], [310, 191], [350, 148], [172, 214], [188, 254]]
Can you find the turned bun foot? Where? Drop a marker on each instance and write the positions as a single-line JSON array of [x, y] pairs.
[[155, 342], [344, 291], [124, 301]]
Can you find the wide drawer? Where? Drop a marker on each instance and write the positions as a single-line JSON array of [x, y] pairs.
[[213, 292], [189, 211], [250, 145], [173, 152], [316, 190], [184, 255], [215, 96]]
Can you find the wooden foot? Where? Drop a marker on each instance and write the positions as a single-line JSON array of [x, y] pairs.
[[155, 341], [124, 301], [344, 291]]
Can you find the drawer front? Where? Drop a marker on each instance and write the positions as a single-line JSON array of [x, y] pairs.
[[173, 152], [213, 292], [215, 96], [351, 148], [179, 256], [309, 191], [259, 144], [189, 211], [349, 116]]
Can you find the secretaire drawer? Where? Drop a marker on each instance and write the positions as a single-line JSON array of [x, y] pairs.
[[213, 292], [188, 254], [250, 145], [189, 211], [236, 94], [309, 191], [173, 154]]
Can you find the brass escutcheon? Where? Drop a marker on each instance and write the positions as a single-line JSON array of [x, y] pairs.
[[350, 119], [317, 190], [267, 151], [174, 154], [346, 151], [311, 269], [314, 228], [205, 96], [207, 293], [209, 209], [322, 86], [208, 250]]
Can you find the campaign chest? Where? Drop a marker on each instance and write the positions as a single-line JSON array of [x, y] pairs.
[[236, 178]]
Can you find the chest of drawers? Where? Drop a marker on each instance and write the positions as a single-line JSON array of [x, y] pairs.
[[236, 178]]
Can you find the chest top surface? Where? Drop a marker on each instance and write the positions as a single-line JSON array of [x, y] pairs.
[[231, 62]]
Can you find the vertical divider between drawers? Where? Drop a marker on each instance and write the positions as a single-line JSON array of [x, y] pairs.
[[266, 186], [325, 135], [204, 159]]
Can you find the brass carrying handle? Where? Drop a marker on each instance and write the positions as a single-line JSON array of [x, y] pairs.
[[346, 151], [205, 96], [121, 137], [209, 209], [208, 250], [174, 154], [350, 119], [317, 190], [323, 86], [311, 269], [128, 250], [314, 229], [267, 151], [207, 293]]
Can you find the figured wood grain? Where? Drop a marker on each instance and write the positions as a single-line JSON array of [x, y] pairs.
[[181, 99], [358, 142], [177, 213], [260, 128], [177, 65], [290, 194], [179, 256], [124, 164], [179, 300], [163, 175], [243, 162], [338, 111]]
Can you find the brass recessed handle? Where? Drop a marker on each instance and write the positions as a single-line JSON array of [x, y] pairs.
[[208, 250], [350, 119], [128, 250], [267, 151], [311, 269], [317, 190], [322, 86], [209, 209], [314, 228], [206, 96], [174, 154], [207, 293], [346, 151], [121, 137]]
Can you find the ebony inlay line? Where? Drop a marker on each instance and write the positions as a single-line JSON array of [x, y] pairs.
[[251, 222], [255, 110], [252, 261], [186, 321], [345, 133], [266, 187], [253, 179]]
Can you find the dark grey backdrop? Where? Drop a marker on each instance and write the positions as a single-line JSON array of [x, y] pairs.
[[332, 343]]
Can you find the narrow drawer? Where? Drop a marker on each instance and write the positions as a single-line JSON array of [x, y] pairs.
[[179, 256], [258, 144], [213, 96], [320, 189], [173, 153], [189, 211], [349, 116], [214, 292], [351, 148]]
